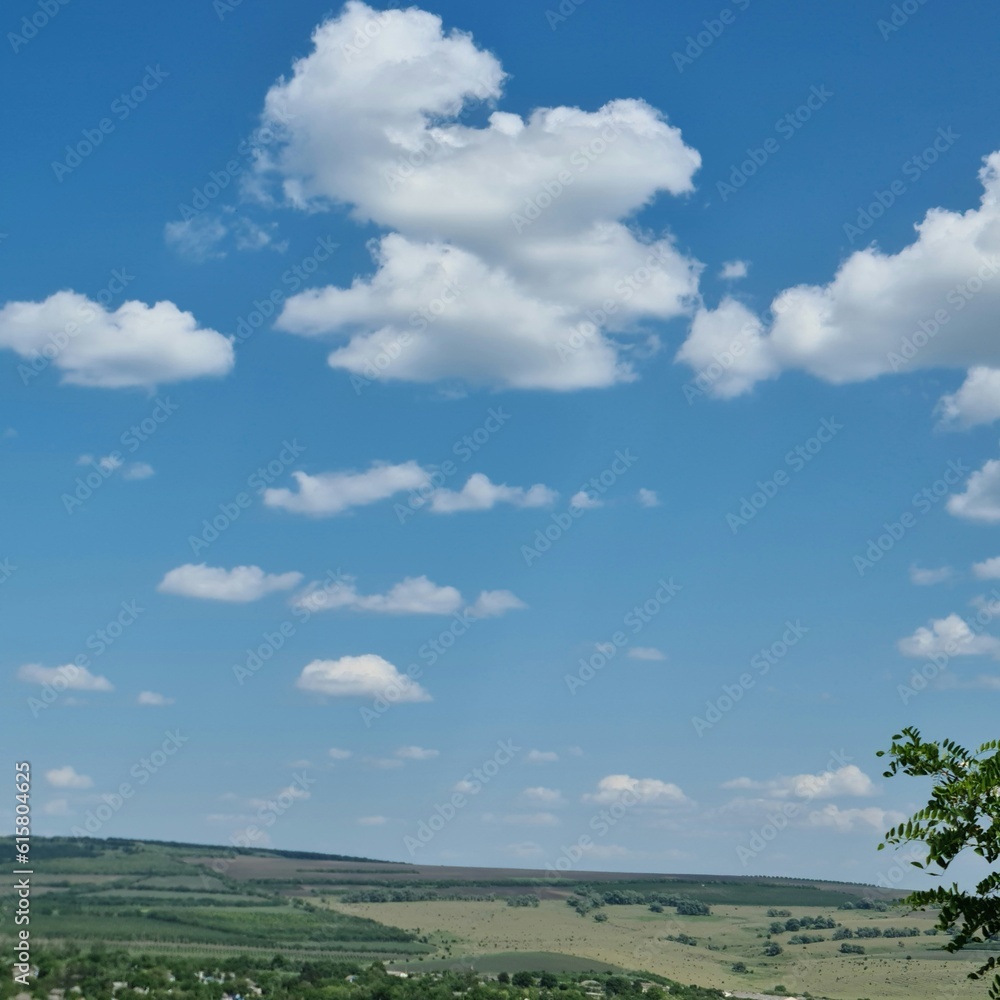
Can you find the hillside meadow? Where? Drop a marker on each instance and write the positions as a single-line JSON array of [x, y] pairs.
[[178, 899], [633, 938]]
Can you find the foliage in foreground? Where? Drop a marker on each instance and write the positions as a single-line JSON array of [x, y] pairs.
[[963, 812]]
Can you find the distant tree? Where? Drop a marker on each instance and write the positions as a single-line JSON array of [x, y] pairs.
[[600, 917], [656, 907], [682, 939], [527, 899], [693, 908], [866, 904], [548, 981], [739, 967], [615, 985], [523, 979], [772, 948], [962, 812], [504, 977], [240, 965], [380, 990]]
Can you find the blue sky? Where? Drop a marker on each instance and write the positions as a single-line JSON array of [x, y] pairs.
[[551, 379]]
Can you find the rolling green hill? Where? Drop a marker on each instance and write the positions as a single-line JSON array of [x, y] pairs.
[[182, 899]]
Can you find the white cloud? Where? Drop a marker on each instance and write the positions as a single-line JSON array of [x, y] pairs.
[[541, 756], [411, 596], [198, 238], [929, 577], [931, 305], [333, 595], [138, 470], [249, 236], [494, 603], [733, 270], [541, 794], [240, 584], [648, 498], [847, 780], [69, 677], [646, 653], [417, 753], [372, 820], [134, 346], [337, 754], [333, 493], [976, 401], [981, 499], [846, 820], [153, 699], [107, 463], [585, 501], [744, 783], [480, 494], [639, 791], [67, 777], [57, 807], [377, 128], [438, 311], [294, 792], [947, 637], [203, 236], [366, 676], [732, 331], [988, 569]]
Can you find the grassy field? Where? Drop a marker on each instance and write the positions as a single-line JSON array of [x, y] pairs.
[[145, 894], [137, 916], [633, 938], [512, 961]]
